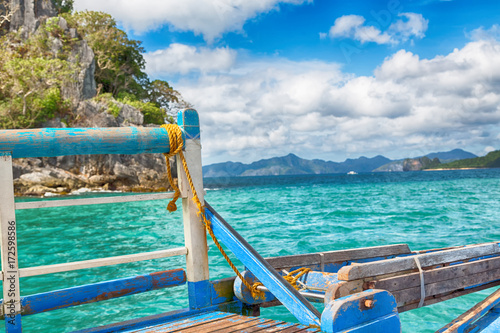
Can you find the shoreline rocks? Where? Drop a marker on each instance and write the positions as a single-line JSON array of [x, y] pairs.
[[67, 174]]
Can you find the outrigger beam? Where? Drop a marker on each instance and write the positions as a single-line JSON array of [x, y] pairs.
[[282, 290]]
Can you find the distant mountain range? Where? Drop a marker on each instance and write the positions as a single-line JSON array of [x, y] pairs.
[[294, 165]]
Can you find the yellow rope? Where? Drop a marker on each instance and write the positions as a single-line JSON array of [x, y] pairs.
[[176, 144]]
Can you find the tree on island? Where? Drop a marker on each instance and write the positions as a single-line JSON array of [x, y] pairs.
[[37, 66]]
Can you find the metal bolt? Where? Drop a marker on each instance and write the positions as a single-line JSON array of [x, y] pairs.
[[369, 303]]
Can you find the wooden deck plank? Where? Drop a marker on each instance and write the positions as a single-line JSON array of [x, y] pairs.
[[237, 328], [293, 329], [199, 323], [260, 327], [278, 328], [184, 322], [217, 325], [222, 322]]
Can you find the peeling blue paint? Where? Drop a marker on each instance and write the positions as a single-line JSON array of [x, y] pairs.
[[289, 297], [189, 121], [199, 294], [49, 142], [350, 314], [100, 291]]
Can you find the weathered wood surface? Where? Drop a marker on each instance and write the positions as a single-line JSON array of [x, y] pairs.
[[8, 243], [337, 256], [360, 271], [101, 291], [440, 274], [447, 296], [412, 295], [77, 265], [439, 282], [93, 201], [49, 142], [221, 322]]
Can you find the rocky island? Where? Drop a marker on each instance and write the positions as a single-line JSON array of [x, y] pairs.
[[56, 72]]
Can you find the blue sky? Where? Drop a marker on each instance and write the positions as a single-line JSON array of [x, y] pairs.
[[324, 78]]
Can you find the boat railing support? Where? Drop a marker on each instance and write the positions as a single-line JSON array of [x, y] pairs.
[[194, 232], [8, 245], [49, 142]]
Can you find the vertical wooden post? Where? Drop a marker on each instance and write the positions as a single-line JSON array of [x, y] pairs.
[[194, 232], [8, 246]]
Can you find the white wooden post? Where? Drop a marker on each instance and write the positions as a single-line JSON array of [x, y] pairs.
[[8, 246], [194, 231]]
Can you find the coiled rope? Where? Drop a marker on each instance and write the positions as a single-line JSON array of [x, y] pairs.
[[176, 144]]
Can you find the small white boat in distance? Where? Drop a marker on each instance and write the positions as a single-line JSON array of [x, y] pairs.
[[352, 173]]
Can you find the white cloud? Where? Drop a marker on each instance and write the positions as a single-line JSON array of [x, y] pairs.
[[182, 59], [208, 18], [482, 34], [410, 25], [414, 25], [351, 26], [275, 106]]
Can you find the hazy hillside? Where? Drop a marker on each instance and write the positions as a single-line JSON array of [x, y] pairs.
[[292, 165], [452, 155], [491, 160]]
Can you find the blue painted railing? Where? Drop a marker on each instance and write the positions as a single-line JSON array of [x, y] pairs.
[[101, 291], [49, 142]]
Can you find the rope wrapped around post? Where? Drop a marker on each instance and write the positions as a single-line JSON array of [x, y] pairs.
[[176, 144]]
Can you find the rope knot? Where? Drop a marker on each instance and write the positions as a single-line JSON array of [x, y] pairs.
[[172, 207]]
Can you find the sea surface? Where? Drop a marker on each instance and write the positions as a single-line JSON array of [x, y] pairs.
[[277, 215]]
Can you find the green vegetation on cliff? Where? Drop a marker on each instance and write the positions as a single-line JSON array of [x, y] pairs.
[[32, 77], [491, 160], [36, 70]]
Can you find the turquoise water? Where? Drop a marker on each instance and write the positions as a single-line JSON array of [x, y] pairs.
[[277, 216]]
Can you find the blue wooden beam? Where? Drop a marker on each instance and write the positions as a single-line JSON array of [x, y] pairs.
[[48, 142], [373, 311], [482, 317], [101, 291], [282, 290]]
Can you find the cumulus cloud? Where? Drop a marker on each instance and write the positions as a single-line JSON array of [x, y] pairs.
[[208, 18], [410, 25], [182, 59], [275, 106], [485, 34], [352, 26]]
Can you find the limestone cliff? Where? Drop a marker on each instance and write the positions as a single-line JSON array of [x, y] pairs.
[[417, 164], [61, 175], [26, 15]]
